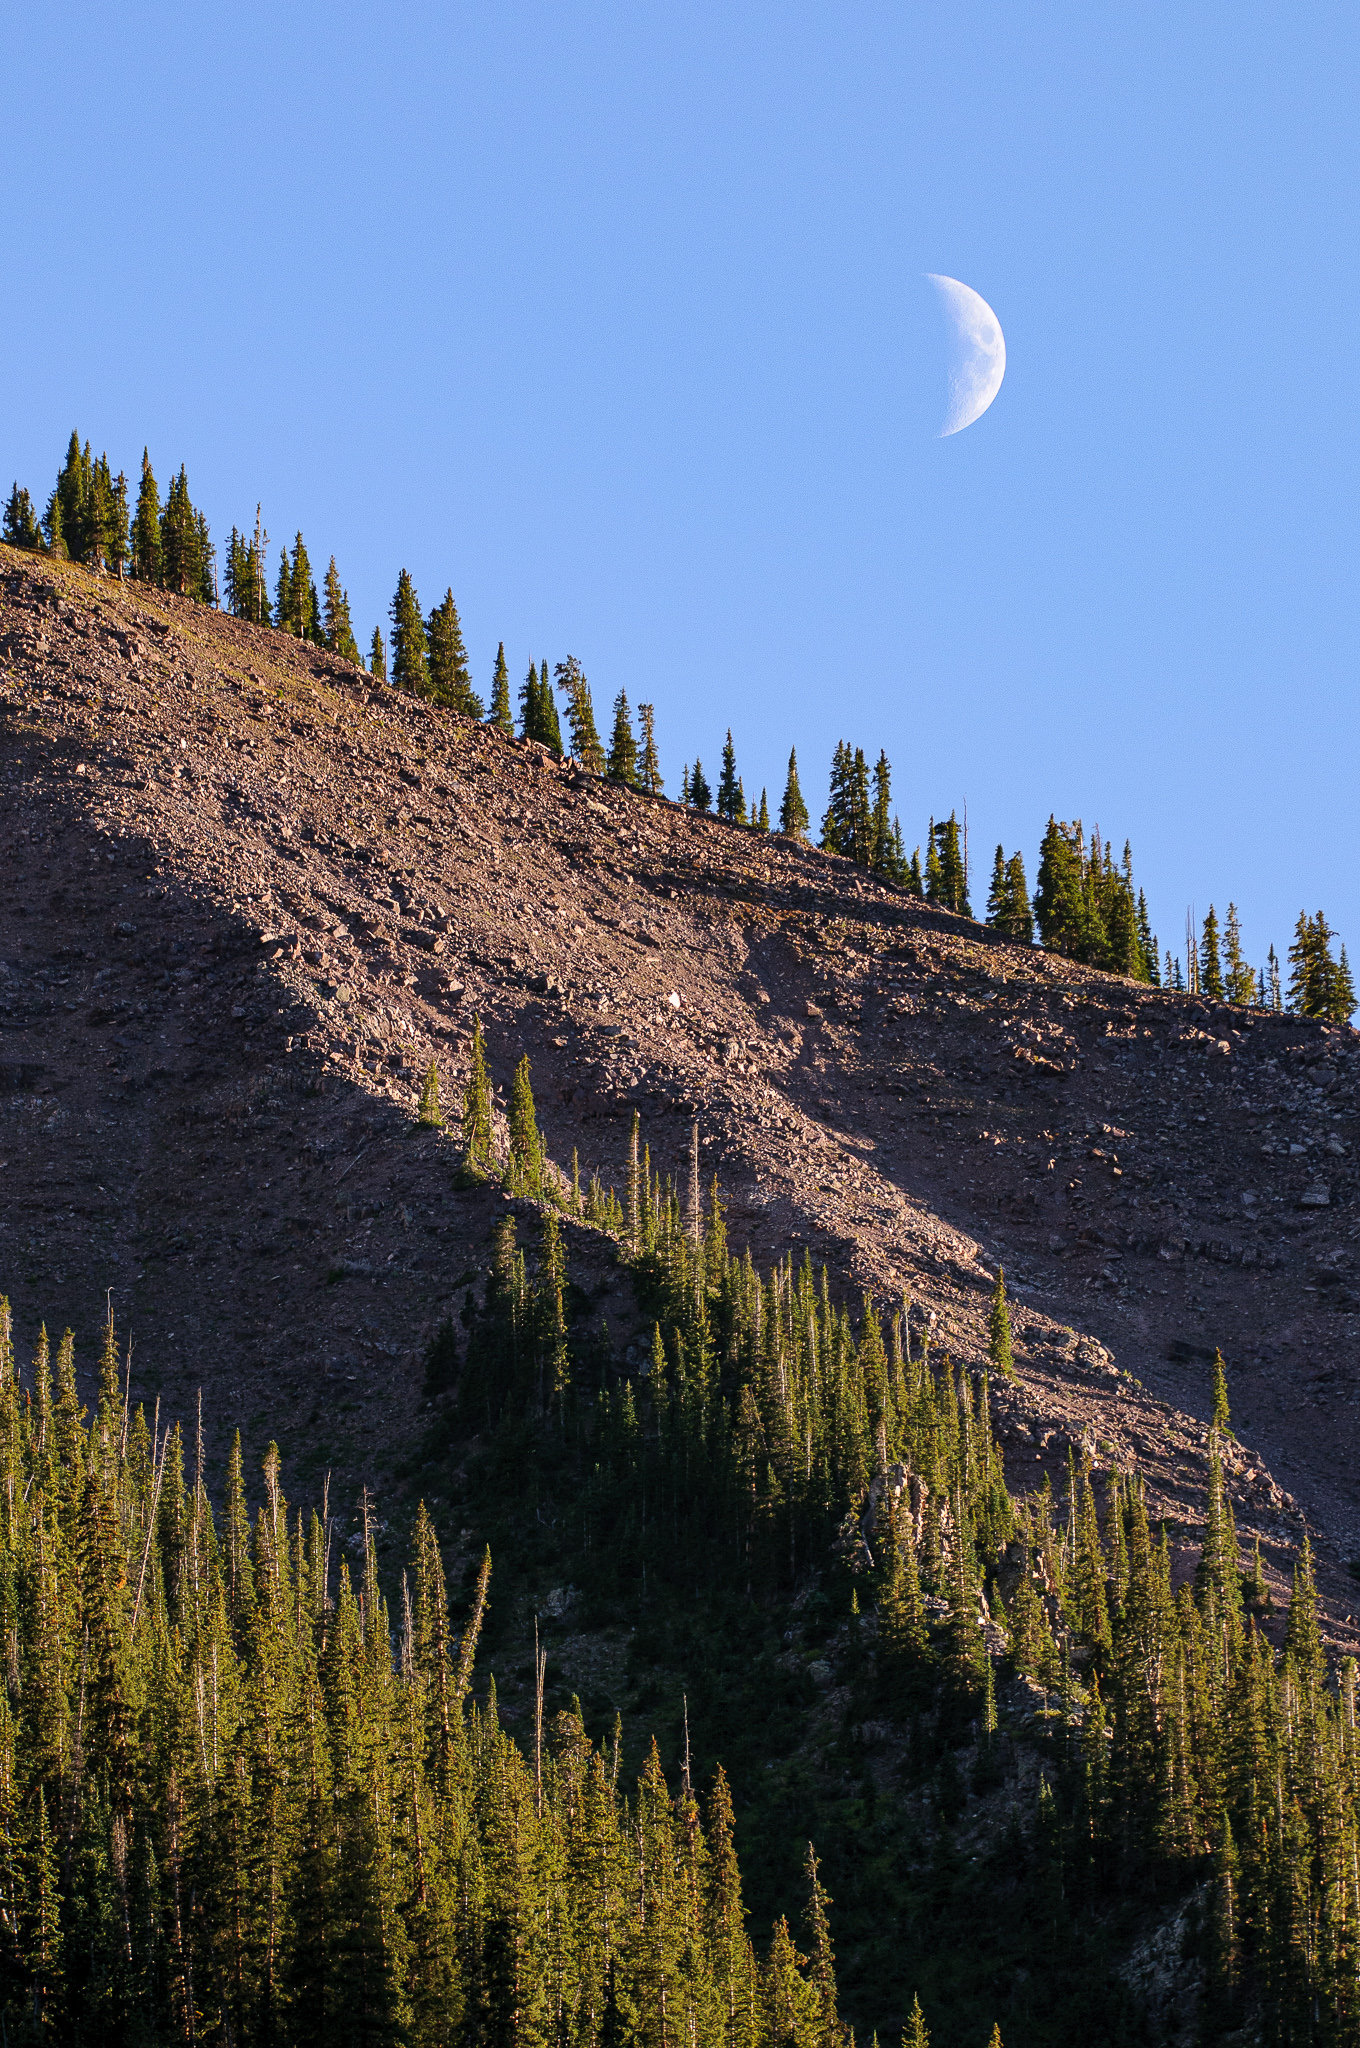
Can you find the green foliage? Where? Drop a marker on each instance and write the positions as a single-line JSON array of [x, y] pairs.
[[623, 752], [1008, 910], [1210, 964], [999, 1329], [585, 740], [731, 802], [450, 673], [21, 527], [231, 1813], [1085, 905], [848, 824], [500, 713], [525, 1170], [410, 648], [649, 766], [477, 1134], [699, 795], [247, 589], [946, 879], [793, 812], [338, 627], [427, 1112], [377, 657], [1319, 985]]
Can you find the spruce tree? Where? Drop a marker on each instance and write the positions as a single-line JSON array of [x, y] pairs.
[[339, 628], [182, 562], [552, 729], [524, 1175], [377, 657], [477, 1131], [146, 527], [428, 1113], [410, 652], [585, 740], [881, 843], [450, 674], [793, 812], [1210, 967], [999, 1329], [763, 814], [649, 767], [500, 713], [1239, 982], [1059, 903], [700, 795], [21, 528], [731, 803], [623, 753], [949, 882], [915, 2034], [1222, 1417]]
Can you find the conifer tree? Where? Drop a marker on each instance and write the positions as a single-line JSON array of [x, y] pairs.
[[1210, 966], [731, 803], [793, 812], [623, 753], [1059, 904], [1222, 1418], [1239, 983], [946, 876], [585, 740], [339, 628], [881, 842], [763, 814], [428, 1113], [146, 527], [410, 650], [377, 657], [500, 713], [477, 1135], [700, 795], [915, 2034], [182, 541], [999, 1329], [552, 729], [450, 674], [21, 528], [649, 767], [524, 1175]]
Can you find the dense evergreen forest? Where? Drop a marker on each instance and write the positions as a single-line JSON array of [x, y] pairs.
[[1085, 904]]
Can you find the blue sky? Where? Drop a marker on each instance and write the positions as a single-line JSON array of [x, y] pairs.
[[612, 318]]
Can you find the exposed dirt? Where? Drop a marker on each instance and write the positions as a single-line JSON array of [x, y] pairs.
[[247, 896]]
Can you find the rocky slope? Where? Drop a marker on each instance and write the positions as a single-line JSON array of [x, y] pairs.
[[247, 896]]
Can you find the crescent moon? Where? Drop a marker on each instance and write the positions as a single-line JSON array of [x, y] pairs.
[[980, 358]]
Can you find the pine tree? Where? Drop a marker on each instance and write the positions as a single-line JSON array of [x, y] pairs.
[[377, 657], [731, 803], [1222, 1417], [182, 564], [623, 753], [552, 728], [881, 842], [999, 1329], [339, 628], [945, 871], [410, 650], [477, 1135], [1059, 902], [21, 528], [524, 1175], [585, 740], [450, 674], [649, 767], [1239, 982], [763, 814], [500, 713], [915, 2034], [700, 795], [1210, 968], [146, 528], [793, 812], [427, 1113]]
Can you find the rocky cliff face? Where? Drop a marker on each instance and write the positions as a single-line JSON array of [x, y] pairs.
[[247, 897]]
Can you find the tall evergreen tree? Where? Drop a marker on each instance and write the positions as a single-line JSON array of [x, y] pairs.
[[339, 627], [649, 766], [377, 656], [500, 713], [623, 753], [731, 802], [21, 528], [450, 672], [585, 740], [793, 812], [410, 649], [146, 527], [700, 795], [1210, 966]]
